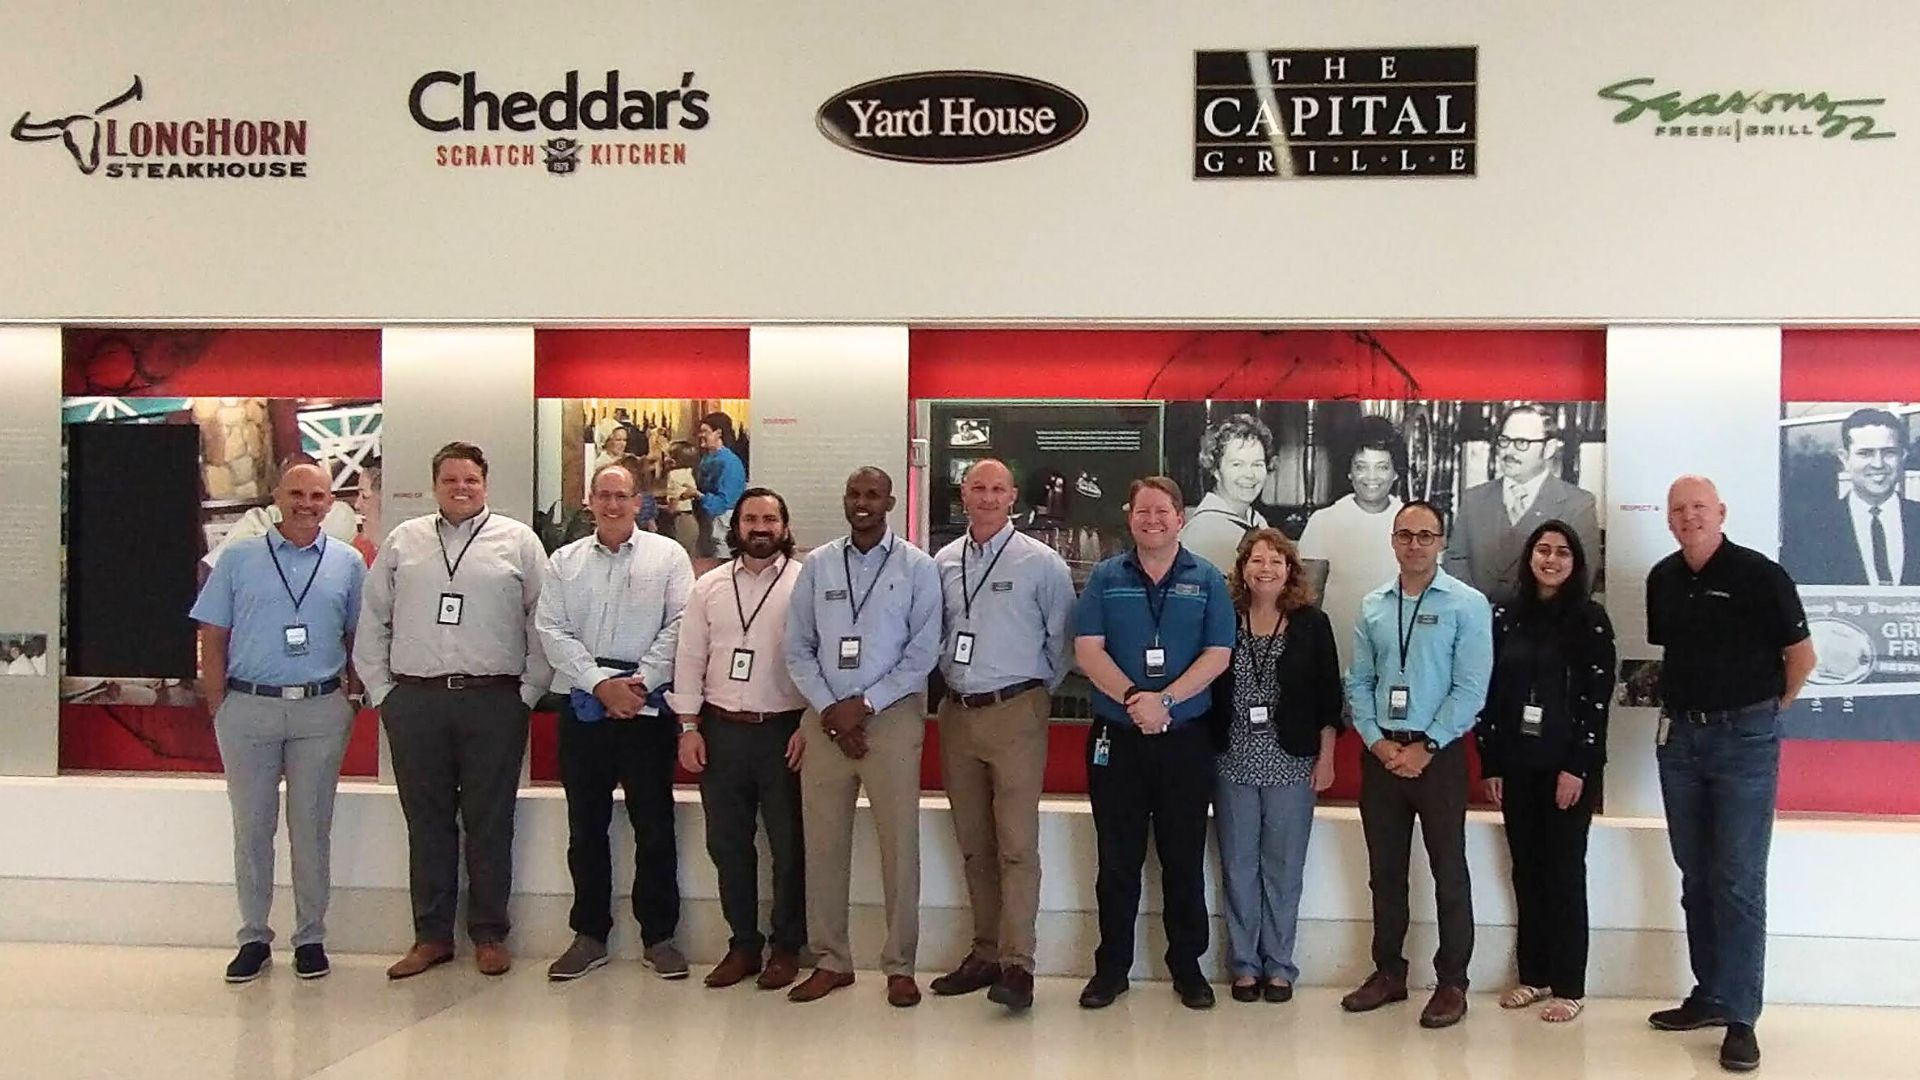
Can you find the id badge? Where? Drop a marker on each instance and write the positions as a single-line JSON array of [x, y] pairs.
[[1257, 717], [451, 606], [1156, 663], [1531, 718], [1397, 700], [1665, 729], [849, 653], [963, 648], [742, 667], [296, 639], [1102, 749]]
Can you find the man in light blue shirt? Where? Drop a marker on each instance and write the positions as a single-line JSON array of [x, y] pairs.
[[863, 634], [721, 478], [1422, 654]]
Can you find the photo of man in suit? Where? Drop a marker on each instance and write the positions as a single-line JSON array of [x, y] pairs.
[[1494, 518], [1870, 535]]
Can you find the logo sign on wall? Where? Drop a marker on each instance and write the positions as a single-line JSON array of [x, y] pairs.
[[113, 134], [610, 122], [952, 117], [1743, 115], [1378, 113]]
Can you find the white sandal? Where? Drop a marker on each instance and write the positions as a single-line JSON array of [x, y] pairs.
[[1523, 995], [1560, 1010]]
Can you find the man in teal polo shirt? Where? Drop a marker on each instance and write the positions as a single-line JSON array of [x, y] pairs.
[[1153, 629]]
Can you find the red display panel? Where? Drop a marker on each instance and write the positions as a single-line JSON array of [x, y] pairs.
[[222, 363], [640, 363]]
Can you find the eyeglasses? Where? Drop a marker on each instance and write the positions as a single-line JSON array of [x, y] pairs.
[[1514, 442], [1423, 538]]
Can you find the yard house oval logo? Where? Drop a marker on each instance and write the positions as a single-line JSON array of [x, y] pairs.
[[952, 117]]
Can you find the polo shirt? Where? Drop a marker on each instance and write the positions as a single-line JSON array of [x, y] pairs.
[[246, 596], [1196, 614], [1449, 640], [1724, 628]]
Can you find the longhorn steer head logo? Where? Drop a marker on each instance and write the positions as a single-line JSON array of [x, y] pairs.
[[80, 131]]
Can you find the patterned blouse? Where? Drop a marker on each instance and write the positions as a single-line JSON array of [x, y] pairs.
[[1255, 757]]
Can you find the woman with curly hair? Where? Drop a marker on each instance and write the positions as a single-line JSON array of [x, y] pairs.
[[1234, 453]]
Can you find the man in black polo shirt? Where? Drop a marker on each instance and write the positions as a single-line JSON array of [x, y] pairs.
[[1737, 652]]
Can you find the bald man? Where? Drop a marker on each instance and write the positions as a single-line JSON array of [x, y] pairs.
[[276, 627], [1008, 600], [1737, 653]]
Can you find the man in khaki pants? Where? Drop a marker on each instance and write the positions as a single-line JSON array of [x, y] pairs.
[[1008, 599], [863, 634]]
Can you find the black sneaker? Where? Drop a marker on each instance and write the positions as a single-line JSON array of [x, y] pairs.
[[1691, 1015], [1101, 990], [310, 961], [1740, 1051], [250, 962]]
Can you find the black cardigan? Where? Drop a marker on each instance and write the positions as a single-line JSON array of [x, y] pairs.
[[1308, 671], [1587, 652]]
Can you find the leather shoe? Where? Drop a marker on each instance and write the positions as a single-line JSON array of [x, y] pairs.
[[1014, 989], [1278, 993], [422, 956], [902, 991], [1195, 992], [1101, 990], [1447, 1007], [1247, 992], [492, 958], [1739, 1050], [1379, 989], [736, 965], [819, 984], [782, 968], [972, 974]]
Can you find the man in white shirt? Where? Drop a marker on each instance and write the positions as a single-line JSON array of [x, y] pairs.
[[1863, 540], [1494, 518]]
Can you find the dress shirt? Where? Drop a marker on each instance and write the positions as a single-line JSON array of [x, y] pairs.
[[1449, 659], [499, 578], [621, 604], [722, 480], [898, 627], [1519, 497], [1021, 611], [247, 596], [1860, 511], [713, 628]]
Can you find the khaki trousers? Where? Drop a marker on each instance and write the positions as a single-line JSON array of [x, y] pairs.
[[995, 761], [830, 784]]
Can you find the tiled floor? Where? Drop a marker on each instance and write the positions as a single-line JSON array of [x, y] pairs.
[[88, 1011]]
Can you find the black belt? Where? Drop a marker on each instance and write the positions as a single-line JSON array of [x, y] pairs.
[[1710, 717], [1409, 738], [994, 697], [617, 665], [285, 693], [457, 682]]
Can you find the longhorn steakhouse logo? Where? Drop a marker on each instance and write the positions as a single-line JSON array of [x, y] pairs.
[[203, 148]]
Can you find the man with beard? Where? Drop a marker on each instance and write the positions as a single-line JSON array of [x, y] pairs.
[[1496, 517], [1871, 536], [740, 733]]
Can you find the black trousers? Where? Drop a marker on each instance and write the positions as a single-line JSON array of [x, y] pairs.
[[456, 761], [637, 755], [1549, 848], [747, 781], [1389, 805], [1163, 782]]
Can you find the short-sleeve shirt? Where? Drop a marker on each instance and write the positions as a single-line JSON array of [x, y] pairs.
[[1724, 628], [248, 596], [1195, 613]]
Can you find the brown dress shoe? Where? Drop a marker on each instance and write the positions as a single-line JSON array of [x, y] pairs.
[[736, 965], [782, 968], [972, 974], [492, 958], [1014, 990], [819, 984], [423, 955], [1447, 1007], [902, 991], [1379, 989]]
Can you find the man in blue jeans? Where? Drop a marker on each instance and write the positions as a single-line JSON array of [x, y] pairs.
[[1737, 652]]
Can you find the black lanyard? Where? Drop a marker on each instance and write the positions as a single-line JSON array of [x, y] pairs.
[[453, 565], [1264, 656], [846, 563], [1156, 601], [287, 585], [1402, 632], [967, 598], [746, 620]]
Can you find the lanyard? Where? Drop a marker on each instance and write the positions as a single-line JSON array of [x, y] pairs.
[[1156, 600], [1263, 656], [846, 563], [285, 584], [746, 620], [453, 565], [1402, 632], [967, 598]]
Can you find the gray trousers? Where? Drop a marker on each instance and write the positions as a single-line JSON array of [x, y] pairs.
[[262, 740], [1264, 831]]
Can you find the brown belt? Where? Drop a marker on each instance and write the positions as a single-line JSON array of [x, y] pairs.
[[732, 717], [995, 697], [457, 682]]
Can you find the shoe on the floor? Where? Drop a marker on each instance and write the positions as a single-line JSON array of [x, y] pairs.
[[310, 961], [1740, 1050], [783, 966], [1690, 1015], [250, 962], [733, 967], [972, 974], [1447, 1007], [1101, 990], [422, 956], [1014, 989], [1379, 989], [1195, 992], [819, 984], [1245, 991], [492, 958], [902, 991], [582, 956], [664, 960], [1278, 993]]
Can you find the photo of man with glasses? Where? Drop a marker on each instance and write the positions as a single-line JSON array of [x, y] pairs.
[[1494, 518]]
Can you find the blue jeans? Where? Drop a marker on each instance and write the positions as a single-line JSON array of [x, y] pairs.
[[1719, 781], [1263, 857]]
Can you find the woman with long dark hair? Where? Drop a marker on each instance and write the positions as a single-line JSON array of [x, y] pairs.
[[1543, 744]]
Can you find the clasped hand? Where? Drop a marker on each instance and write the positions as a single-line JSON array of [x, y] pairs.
[[624, 697]]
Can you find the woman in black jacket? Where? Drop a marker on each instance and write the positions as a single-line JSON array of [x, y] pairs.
[[1274, 716], [1543, 742]]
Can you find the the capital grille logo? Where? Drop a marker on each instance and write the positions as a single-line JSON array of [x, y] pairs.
[[112, 140], [564, 129]]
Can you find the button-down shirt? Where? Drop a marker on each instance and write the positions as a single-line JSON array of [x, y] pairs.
[[622, 604], [245, 595], [1862, 514], [1449, 658], [724, 601], [1021, 595], [499, 582], [1195, 614], [898, 590]]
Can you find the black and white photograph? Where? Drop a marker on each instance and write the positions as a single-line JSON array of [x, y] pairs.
[[23, 654], [969, 433], [957, 468], [1639, 685]]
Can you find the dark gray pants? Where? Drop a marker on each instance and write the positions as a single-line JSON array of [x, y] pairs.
[[456, 760], [1388, 806], [747, 779]]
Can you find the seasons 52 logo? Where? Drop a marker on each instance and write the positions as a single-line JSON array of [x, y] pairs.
[[952, 117], [607, 124], [115, 135], [1744, 114]]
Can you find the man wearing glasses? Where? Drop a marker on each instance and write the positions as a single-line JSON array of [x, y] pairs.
[[1496, 517], [1422, 654]]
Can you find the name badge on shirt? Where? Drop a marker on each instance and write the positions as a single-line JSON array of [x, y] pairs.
[[1257, 717], [452, 604], [742, 668], [1428, 619], [963, 648], [1156, 662], [1398, 699], [836, 594], [1003, 586], [1665, 730], [849, 653], [1531, 719], [296, 639]]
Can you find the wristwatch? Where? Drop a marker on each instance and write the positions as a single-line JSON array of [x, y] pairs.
[[1432, 747], [688, 727], [1166, 702]]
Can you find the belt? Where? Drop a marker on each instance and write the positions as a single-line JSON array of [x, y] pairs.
[[732, 717], [1710, 717], [1404, 738], [457, 682], [285, 693], [994, 697], [617, 665]]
